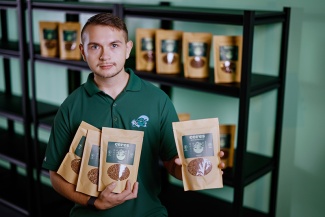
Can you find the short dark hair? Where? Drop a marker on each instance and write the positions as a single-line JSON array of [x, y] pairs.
[[107, 19]]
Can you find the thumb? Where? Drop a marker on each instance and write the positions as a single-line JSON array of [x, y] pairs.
[[111, 186]]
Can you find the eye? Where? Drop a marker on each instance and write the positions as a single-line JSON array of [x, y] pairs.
[[94, 47], [114, 45]]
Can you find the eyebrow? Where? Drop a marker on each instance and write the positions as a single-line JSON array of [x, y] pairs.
[[116, 41], [112, 42]]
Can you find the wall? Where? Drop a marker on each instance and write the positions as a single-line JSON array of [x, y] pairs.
[[301, 189]]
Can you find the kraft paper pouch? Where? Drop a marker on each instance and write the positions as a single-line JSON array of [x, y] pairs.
[[49, 41], [196, 54], [168, 51], [70, 166], [227, 143], [69, 36], [184, 116], [198, 146], [119, 157], [145, 49], [88, 175], [227, 58]]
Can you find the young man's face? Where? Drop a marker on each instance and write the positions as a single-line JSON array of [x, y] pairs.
[[105, 50]]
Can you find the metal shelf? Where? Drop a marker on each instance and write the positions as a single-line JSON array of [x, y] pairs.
[[204, 15], [7, 4], [11, 107], [72, 7]]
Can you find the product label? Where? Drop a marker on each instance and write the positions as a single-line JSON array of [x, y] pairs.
[[70, 35], [197, 49], [80, 147], [147, 44], [122, 153], [198, 145], [229, 53], [94, 156], [169, 46], [225, 140], [50, 34]]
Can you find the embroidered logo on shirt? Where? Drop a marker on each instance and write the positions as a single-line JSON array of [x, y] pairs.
[[140, 121]]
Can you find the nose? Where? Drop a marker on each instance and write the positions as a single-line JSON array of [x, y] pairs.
[[105, 55]]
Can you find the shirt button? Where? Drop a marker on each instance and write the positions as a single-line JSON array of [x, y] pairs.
[[115, 119], [114, 104]]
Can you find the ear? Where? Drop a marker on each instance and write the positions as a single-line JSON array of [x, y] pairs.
[[82, 51], [129, 46]]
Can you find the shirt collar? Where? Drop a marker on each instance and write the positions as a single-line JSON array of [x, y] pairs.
[[134, 83]]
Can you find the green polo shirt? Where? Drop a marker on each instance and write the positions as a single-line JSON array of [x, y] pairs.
[[140, 106]]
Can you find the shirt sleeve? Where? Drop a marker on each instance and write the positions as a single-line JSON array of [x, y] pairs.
[[168, 145]]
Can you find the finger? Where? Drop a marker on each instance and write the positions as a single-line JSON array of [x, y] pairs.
[[128, 185], [221, 165], [135, 188], [178, 161], [221, 154], [134, 193], [127, 193]]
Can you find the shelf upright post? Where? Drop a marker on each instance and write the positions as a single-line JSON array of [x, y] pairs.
[[34, 108], [74, 76], [34, 111], [6, 68], [23, 60], [244, 102], [6, 63], [4, 25], [279, 111], [118, 10], [166, 24]]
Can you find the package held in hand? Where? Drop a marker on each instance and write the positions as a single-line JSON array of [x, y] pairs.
[[198, 146]]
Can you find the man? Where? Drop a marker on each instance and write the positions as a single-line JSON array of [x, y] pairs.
[[115, 97]]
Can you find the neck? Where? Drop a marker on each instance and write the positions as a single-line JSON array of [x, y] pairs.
[[112, 86]]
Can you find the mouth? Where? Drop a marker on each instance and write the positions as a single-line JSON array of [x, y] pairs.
[[106, 65]]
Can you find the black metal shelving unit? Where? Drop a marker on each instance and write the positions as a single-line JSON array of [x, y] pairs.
[[248, 166], [36, 115], [15, 148]]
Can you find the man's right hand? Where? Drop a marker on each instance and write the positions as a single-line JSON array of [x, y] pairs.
[[108, 199]]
